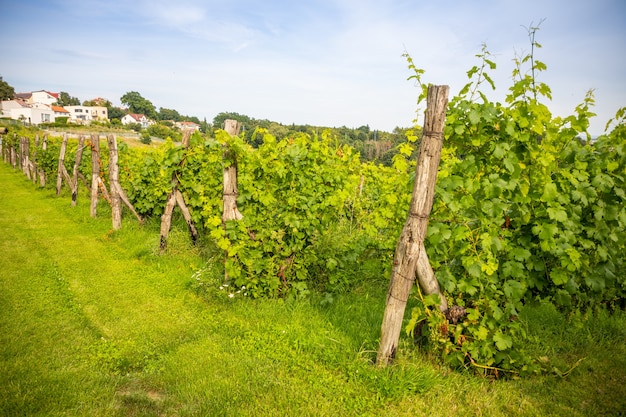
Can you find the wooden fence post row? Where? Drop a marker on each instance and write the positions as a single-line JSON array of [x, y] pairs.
[[410, 256]]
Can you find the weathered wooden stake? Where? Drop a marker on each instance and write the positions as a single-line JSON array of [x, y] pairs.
[[40, 170], [230, 191], [114, 175], [95, 173], [79, 157], [61, 171], [410, 257], [231, 212], [175, 197], [34, 161], [118, 195]]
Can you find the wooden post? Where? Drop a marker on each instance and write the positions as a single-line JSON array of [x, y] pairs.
[[114, 174], [230, 190], [61, 171], [410, 257], [20, 154], [34, 160], [40, 170], [231, 212], [118, 196], [79, 157], [13, 153], [95, 173], [175, 197], [27, 165]]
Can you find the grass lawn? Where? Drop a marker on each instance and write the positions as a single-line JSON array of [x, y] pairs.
[[97, 323]]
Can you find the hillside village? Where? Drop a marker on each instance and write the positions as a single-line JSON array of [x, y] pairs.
[[40, 107]]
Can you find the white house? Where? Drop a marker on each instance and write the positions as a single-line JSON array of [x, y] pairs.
[[85, 114], [132, 118], [32, 115], [7, 105], [44, 97], [187, 126]]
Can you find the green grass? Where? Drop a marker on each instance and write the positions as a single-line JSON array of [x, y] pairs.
[[97, 323]]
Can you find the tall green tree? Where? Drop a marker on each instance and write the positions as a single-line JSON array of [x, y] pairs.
[[169, 114], [137, 104], [6, 91], [66, 100]]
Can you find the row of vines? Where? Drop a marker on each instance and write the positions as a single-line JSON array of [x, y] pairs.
[[527, 208]]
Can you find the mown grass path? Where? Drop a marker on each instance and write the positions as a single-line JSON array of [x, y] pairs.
[[96, 323]]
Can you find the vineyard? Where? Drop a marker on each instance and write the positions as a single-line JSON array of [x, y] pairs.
[[528, 209]]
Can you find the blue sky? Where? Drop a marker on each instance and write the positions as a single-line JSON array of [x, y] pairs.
[[321, 62]]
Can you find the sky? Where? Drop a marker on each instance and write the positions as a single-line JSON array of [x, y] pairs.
[[320, 62]]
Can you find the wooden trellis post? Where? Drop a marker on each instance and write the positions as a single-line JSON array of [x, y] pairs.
[[13, 153], [175, 197], [95, 173], [410, 257], [34, 161], [26, 163], [79, 157], [61, 170], [118, 196], [230, 210], [40, 171]]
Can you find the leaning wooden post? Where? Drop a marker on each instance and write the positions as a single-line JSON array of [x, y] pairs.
[[230, 210], [95, 173], [410, 253], [34, 163], [61, 171], [173, 198], [26, 162], [40, 170], [118, 195], [114, 174], [79, 157]]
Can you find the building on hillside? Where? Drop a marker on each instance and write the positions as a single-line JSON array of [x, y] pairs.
[[132, 118], [44, 97], [7, 105], [60, 112], [87, 114], [187, 126], [30, 114], [24, 97]]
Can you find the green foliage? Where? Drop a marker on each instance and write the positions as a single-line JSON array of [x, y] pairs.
[[138, 104], [7, 92], [162, 131], [66, 100], [525, 211]]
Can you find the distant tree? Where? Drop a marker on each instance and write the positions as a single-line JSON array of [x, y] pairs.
[[139, 105], [192, 119], [146, 138], [160, 130], [6, 91], [205, 126], [169, 114], [97, 102], [66, 100], [218, 121], [115, 113]]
